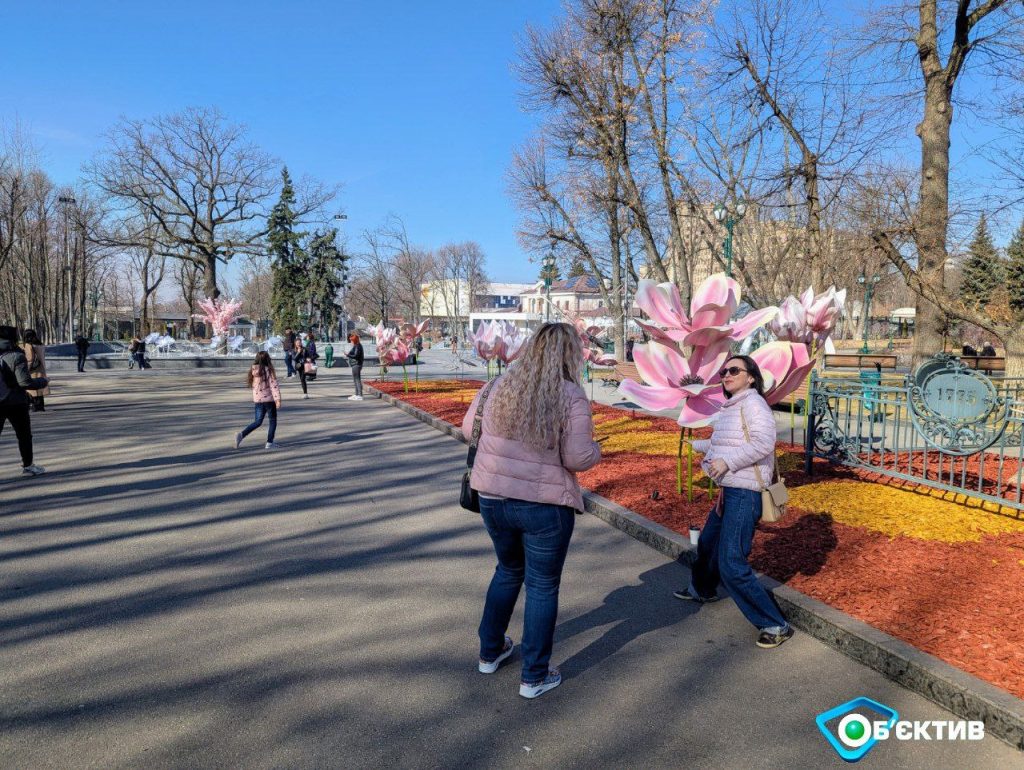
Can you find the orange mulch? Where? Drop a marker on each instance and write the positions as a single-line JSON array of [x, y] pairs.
[[944, 576]]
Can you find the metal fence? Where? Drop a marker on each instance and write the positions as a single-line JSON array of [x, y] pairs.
[[944, 426]]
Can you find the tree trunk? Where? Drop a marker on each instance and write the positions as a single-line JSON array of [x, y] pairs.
[[933, 211], [1014, 344], [210, 277]]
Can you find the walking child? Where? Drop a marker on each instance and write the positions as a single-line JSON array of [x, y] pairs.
[[266, 398]]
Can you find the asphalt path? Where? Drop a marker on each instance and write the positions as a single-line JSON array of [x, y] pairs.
[[168, 601]]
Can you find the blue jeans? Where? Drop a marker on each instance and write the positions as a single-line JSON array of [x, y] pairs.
[[530, 540], [722, 553], [290, 370], [261, 410]]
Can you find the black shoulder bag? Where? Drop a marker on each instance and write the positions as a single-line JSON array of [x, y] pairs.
[[469, 498]]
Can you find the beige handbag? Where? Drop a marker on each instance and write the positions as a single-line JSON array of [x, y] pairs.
[[774, 496]]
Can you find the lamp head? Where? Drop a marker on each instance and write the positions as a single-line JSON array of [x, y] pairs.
[[741, 208], [719, 212]]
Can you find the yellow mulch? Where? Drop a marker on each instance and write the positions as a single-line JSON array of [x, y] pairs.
[[894, 512]]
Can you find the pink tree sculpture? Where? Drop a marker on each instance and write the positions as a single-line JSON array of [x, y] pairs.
[[219, 314]]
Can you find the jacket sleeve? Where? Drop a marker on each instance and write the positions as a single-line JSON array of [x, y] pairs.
[[467, 420], [578, 449], [761, 426], [23, 377], [275, 390], [701, 445]]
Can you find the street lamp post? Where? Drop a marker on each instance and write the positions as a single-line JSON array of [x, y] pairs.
[[729, 217], [94, 297], [66, 201], [344, 285], [869, 289], [549, 267]]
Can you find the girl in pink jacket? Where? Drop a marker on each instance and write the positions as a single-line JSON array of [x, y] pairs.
[[266, 398], [740, 456], [535, 434]]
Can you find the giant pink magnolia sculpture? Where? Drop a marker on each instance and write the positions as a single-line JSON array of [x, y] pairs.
[[500, 341], [809, 319], [689, 380], [592, 351]]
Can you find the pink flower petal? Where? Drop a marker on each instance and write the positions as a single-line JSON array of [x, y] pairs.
[[661, 302], [700, 410], [745, 326], [660, 365], [656, 399], [717, 289]]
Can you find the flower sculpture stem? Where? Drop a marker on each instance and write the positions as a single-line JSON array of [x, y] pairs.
[[405, 378]]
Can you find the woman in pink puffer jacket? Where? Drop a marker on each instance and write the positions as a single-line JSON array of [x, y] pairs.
[[266, 399], [536, 433], [740, 456]]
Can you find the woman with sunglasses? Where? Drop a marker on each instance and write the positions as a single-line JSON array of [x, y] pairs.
[[739, 456]]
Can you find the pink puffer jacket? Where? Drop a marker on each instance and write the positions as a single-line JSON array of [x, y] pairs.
[[264, 390], [505, 467], [728, 443]]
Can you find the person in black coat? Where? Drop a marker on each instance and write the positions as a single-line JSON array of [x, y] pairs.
[[299, 358], [82, 345], [355, 360], [14, 400]]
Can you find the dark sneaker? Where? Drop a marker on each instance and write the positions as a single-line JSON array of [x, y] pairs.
[[489, 667], [550, 682], [768, 640], [238, 439], [685, 595]]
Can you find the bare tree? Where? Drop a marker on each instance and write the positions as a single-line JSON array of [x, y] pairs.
[[201, 180], [942, 37]]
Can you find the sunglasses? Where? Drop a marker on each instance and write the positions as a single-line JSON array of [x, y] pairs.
[[732, 371]]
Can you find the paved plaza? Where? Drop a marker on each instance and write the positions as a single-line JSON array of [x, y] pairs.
[[167, 601]]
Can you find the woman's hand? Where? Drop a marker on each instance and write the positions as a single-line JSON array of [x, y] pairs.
[[717, 468]]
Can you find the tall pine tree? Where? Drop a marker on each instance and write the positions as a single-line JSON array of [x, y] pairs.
[[289, 288], [983, 270], [1015, 270], [324, 277]]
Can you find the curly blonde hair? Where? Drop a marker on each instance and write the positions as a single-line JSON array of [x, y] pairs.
[[530, 403]]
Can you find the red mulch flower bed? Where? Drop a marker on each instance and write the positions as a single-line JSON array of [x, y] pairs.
[[955, 600]]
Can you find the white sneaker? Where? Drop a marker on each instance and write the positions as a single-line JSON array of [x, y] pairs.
[[305, 395], [550, 682], [353, 398], [33, 470], [490, 667], [357, 398], [238, 439], [272, 445]]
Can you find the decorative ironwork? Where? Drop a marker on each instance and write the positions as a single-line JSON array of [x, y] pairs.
[[945, 426], [956, 409]]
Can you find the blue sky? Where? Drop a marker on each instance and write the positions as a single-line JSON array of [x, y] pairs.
[[412, 106]]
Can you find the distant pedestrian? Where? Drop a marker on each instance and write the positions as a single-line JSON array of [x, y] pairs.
[[355, 360], [138, 351], [266, 399], [299, 362], [740, 457], [82, 346], [629, 350], [15, 382], [289, 348], [35, 354], [311, 353], [535, 434], [329, 356], [968, 350], [987, 350]]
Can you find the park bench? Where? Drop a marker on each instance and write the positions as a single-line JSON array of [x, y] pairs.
[[867, 365], [614, 376], [987, 364]]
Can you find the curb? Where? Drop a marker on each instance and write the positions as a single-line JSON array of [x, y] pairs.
[[964, 695]]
